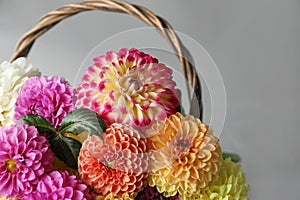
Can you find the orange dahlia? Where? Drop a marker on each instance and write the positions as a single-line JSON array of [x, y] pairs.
[[116, 163], [185, 156]]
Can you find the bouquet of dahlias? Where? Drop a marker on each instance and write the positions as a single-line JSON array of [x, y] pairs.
[[121, 134]]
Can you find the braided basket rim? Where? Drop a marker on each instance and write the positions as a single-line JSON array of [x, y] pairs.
[[50, 19]]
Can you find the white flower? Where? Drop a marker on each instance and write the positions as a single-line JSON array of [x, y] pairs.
[[12, 77]]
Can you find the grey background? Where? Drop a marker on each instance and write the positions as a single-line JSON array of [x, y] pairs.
[[255, 44]]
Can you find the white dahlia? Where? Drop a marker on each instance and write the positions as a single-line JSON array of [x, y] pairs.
[[12, 77]]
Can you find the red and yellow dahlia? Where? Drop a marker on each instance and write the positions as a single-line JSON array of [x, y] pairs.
[[128, 87], [185, 156], [116, 163]]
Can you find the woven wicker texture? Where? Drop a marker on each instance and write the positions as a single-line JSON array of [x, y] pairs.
[[52, 18]]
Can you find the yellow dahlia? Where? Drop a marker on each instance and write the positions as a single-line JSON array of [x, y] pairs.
[[231, 184], [128, 87], [116, 163], [185, 156]]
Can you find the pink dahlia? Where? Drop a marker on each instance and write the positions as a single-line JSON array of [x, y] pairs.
[[117, 164], [24, 157], [59, 185], [51, 97], [128, 87]]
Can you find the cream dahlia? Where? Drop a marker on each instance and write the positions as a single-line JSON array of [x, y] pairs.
[[59, 185], [230, 185], [24, 157], [128, 87], [185, 156], [12, 77], [117, 164], [50, 97]]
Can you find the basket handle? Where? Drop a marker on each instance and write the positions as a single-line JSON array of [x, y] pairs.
[[52, 18]]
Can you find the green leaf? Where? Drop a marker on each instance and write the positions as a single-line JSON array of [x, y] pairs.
[[234, 157], [82, 120], [42, 125], [75, 127], [66, 149], [180, 109]]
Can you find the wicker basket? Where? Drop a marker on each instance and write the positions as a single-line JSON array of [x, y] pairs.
[[162, 26]]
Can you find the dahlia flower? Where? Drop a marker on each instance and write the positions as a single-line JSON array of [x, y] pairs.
[[185, 156], [153, 194], [230, 185], [116, 164], [111, 197], [128, 87], [149, 193], [51, 97], [4, 198], [59, 185], [12, 77], [24, 157], [174, 197]]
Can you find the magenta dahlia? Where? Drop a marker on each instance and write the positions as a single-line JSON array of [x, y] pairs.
[[59, 185], [24, 157], [51, 97], [128, 87]]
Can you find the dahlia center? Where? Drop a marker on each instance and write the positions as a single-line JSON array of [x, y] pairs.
[[108, 163], [11, 165], [130, 83], [182, 145]]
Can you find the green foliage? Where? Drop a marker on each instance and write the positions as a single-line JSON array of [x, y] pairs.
[[67, 140]]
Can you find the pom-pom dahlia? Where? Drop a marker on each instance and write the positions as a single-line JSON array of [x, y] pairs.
[[50, 97], [59, 185], [12, 77], [116, 164], [128, 87], [185, 156], [24, 157], [230, 185]]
